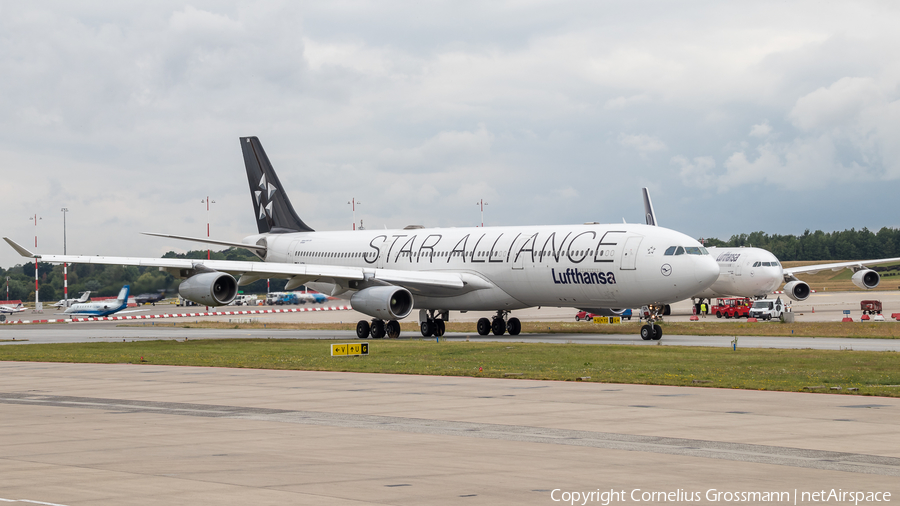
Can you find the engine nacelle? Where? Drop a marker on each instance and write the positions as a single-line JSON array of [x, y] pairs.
[[866, 278], [209, 288], [797, 290], [384, 302]]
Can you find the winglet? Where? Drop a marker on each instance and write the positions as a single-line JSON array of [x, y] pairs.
[[649, 214], [21, 250]]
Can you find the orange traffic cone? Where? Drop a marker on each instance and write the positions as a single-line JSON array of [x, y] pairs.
[[814, 309]]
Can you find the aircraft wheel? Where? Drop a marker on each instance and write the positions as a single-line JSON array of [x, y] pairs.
[[393, 329], [377, 331], [657, 333], [426, 328], [514, 326], [646, 332], [362, 329], [484, 326], [498, 326], [439, 327]]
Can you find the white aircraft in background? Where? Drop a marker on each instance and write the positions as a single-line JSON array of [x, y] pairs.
[[6, 309], [101, 308], [388, 273], [756, 273], [66, 303]]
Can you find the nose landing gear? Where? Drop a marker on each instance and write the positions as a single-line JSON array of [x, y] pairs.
[[652, 313]]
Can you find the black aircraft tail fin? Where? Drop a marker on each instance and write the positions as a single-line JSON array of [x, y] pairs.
[[273, 209]]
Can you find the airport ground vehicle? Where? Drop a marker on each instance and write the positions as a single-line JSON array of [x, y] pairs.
[[625, 314], [870, 306], [767, 309], [584, 315], [731, 307], [181, 301], [245, 300]]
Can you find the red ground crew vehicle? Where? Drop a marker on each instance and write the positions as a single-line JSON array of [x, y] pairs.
[[870, 306], [731, 307]]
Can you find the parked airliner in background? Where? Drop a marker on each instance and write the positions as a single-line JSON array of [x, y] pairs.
[[68, 302], [756, 273], [388, 273], [100, 308]]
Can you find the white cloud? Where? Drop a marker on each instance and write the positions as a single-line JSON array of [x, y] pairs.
[[837, 105], [697, 173], [761, 130], [641, 142]]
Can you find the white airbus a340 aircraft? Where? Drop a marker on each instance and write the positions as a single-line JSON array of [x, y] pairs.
[[756, 273], [388, 273]]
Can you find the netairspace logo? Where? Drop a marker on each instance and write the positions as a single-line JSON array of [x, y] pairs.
[[607, 497]]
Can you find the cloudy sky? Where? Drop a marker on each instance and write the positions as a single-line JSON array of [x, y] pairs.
[[740, 116]]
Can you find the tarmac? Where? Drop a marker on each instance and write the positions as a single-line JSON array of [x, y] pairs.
[[124, 434], [78, 434]]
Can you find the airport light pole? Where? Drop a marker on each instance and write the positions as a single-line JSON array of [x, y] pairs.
[[481, 203], [354, 203], [208, 202], [37, 299], [65, 264]]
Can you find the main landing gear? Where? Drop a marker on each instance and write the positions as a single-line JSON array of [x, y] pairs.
[[499, 324], [652, 331], [430, 325], [378, 329]]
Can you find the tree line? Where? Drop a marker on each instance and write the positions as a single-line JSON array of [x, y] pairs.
[[107, 280], [845, 245]]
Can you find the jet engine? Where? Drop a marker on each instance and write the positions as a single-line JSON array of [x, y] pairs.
[[209, 288], [866, 278], [797, 290], [384, 302]]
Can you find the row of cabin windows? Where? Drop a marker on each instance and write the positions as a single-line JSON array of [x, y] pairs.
[[322, 254], [765, 264], [689, 250]]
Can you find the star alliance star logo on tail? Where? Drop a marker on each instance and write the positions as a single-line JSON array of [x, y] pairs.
[[264, 199]]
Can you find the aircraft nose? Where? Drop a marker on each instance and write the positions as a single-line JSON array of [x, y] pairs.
[[706, 271]]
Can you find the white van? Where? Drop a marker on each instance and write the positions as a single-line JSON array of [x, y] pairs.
[[766, 309]]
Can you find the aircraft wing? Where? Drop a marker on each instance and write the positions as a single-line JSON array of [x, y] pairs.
[[813, 269], [417, 281]]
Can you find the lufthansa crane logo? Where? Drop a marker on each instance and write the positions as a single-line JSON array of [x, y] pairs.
[[666, 269]]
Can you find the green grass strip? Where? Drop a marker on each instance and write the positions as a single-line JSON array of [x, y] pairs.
[[872, 373]]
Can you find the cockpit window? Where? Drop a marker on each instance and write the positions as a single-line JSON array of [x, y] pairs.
[[692, 250], [756, 264], [670, 250], [679, 251], [704, 250]]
